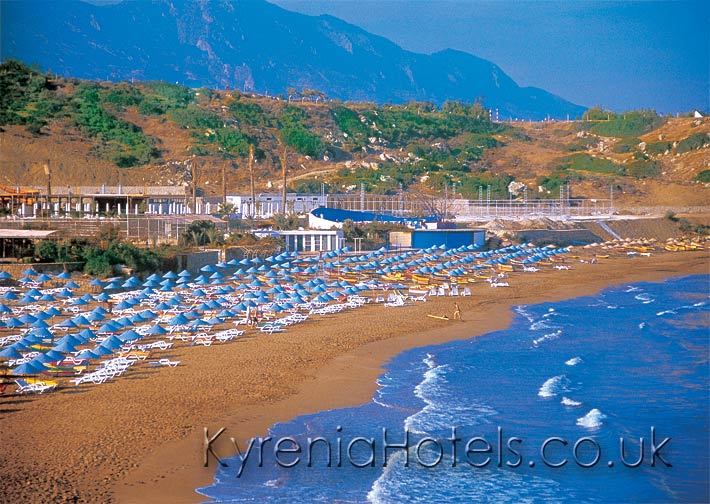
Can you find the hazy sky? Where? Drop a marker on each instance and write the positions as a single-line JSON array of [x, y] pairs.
[[621, 55]]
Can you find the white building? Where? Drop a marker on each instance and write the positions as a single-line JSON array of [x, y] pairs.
[[302, 240], [268, 204], [313, 240]]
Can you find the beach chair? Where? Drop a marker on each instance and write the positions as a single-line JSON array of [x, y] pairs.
[[164, 362], [398, 301], [32, 388], [271, 328]]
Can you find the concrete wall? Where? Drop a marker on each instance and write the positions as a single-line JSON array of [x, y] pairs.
[[193, 261], [560, 237], [401, 239]]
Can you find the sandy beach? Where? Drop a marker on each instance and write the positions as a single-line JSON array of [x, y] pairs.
[[139, 438]]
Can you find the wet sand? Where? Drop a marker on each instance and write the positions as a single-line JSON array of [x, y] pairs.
[[138, 439]]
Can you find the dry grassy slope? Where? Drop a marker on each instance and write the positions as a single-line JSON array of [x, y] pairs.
[[528, 155], [528, 160]]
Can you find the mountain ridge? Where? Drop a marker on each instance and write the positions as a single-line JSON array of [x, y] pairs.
[[256, 46]]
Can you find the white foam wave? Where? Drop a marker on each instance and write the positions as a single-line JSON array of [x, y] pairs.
[[701, 303], [547, 337], [554, 386], [573, 361], [426, 390], [642, 325], [541, 325], [383, 404], [632, 288], [592, 420], [520, 310], [644, 298], [377, 492], [570, 402], [611, 307], [666, 312]]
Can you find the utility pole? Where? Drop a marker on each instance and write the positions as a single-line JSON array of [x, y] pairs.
[[224, 185], [193, 173], [284, 160], [251, 178], [48, 172]]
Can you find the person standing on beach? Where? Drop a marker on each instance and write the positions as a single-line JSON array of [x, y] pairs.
[[457, 312]]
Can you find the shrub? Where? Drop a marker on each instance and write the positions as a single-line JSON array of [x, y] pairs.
[[585, 162], [119, 141], [250, 114], [46, 251], [294, 133], [695, 141], [628, 124], [171, 95], [703, 176], [97, 264], [658, 148], [644, 169], [195, 117]]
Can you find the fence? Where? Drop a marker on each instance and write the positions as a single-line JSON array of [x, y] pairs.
[[146, 228], [404, 204]]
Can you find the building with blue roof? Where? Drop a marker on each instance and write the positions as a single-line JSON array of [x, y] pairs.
[[328, 218]]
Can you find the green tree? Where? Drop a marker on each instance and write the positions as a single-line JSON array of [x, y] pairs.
[[201, 233], [46, 251]]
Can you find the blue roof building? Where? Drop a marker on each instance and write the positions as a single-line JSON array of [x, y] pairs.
[[327, 218]]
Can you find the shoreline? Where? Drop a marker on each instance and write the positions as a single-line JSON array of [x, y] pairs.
[[326, 390], [140, 438]]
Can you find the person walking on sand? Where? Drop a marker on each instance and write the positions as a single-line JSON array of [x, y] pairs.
[[457, 312]]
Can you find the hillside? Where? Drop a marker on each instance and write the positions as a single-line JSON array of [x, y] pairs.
[[252, 45], [151, 133]]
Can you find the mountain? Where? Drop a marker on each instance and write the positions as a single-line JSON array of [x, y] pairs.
[[255, 46]]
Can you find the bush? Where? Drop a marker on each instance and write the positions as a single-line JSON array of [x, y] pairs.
[[585, 162], [46, 251], [98, 264], [170, 95], [348, 121], [119, 141], [295, 135], [644, 169], [196, 118], [626, 145], [695, 141], [27, 96], [703, 176], [658, 148], [628, 124], [250, 114]]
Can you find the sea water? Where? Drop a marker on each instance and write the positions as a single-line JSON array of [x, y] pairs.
[[574, 377]]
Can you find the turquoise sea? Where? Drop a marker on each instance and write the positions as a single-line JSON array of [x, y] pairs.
[[535, 413]]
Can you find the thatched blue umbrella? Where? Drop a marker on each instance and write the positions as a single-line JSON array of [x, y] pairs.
[[129, 335], [29, 368], [11, 352], [65, 347], [157, 330], [102, 350], [112, 342]]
